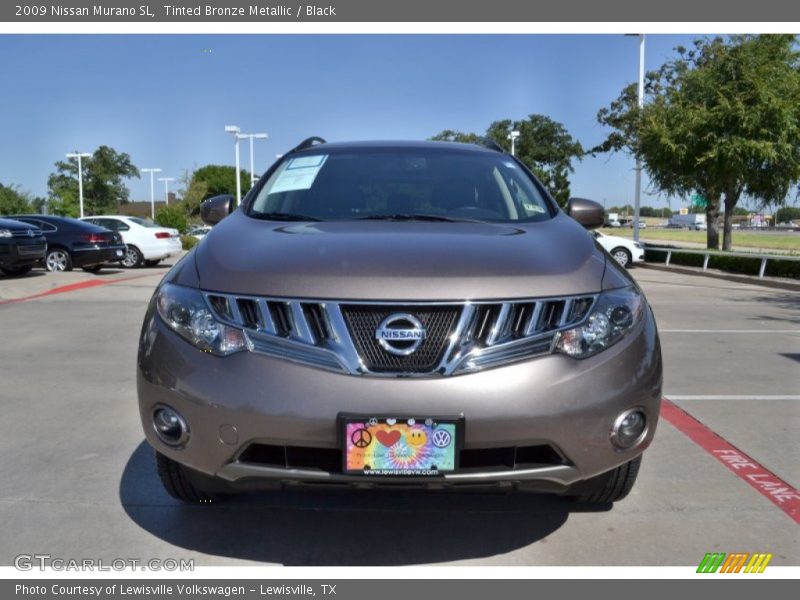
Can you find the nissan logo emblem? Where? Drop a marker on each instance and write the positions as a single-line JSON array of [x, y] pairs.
[[400, 334]]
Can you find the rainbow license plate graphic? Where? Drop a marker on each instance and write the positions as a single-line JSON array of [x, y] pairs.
[[399, 446]]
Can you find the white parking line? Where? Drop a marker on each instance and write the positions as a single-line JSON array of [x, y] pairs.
[[724, 397], [729, 330]]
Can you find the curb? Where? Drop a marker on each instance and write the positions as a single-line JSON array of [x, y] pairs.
[[764, 282]]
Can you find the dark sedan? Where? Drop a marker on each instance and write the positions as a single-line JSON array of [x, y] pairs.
[[73, 243], [21, 247]]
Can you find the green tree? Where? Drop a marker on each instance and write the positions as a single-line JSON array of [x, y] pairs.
[[449, 135], [544, 145], [220, 179], [787, 213], [174, 216], [193, 193], [13, 201], [103, 183], [722, 119]]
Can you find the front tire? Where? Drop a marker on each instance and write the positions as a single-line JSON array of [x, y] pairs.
[[622, 256], [58, 259], [133, 258], [612, 486], [177, 484]]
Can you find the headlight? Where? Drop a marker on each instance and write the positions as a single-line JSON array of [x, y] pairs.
[[185, 311], [5, 233], [614, 315]]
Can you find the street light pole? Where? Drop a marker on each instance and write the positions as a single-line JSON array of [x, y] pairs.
[[79, 155], [252, 136], [236, 131], [152, 191], [166, 181], [640, 101], [513, 137]]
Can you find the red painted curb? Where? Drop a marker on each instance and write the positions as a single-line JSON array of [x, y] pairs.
[[72, 287], [769, 485]]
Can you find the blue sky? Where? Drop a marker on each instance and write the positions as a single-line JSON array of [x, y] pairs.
[[166, 99]]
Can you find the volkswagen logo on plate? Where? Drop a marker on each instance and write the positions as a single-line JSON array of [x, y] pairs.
[[400, 334]]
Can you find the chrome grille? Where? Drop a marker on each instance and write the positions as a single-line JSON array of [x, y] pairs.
[[24, 233], [363, 321], [459, 337]]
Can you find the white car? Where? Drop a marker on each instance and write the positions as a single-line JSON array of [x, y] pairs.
[[147, 243], [625, 251]]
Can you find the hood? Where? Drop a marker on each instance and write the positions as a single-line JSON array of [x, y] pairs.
[[403, 261]]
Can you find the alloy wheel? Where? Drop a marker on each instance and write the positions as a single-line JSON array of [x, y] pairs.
[[57, 260], [621, 256], [131, 258]]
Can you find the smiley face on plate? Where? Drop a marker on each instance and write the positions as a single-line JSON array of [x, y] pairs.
[[416, 437]]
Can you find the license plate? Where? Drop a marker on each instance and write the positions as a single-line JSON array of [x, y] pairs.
[[400, 446]]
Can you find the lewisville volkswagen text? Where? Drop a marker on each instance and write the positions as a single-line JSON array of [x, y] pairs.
[[399, 313]]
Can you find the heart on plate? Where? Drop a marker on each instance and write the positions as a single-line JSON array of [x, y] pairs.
[[391, 421], [388, 438]]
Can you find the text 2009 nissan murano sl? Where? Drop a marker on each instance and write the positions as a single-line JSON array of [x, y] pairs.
[[387, 313]]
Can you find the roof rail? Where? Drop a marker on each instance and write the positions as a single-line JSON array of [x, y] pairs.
[[307, 143], [490, 144]]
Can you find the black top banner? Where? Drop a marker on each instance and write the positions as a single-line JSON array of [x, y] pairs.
[[464, 11]]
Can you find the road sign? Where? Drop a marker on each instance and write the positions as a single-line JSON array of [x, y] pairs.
[[699, 201]]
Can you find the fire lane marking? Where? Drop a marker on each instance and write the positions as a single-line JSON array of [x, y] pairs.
[[769, 485], [74, 287]]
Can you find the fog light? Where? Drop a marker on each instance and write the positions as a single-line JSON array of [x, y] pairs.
[[629, 428], [170, 426]]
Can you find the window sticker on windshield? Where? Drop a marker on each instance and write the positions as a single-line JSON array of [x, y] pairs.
[[299, 174], [532, 208]]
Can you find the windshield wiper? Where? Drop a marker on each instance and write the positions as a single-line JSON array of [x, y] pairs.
[[414, 217], [282, 216]]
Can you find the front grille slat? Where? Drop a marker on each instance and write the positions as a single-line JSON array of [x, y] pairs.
[[249, 313], [281, 317]]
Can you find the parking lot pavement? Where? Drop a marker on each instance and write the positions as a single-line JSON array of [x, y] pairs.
[[732, 359], [78, 479]]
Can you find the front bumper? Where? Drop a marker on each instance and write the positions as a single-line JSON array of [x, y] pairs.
[[18, 252], [233, 402]]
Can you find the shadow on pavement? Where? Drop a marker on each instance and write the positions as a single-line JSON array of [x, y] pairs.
[[29, 275], [342, 527]]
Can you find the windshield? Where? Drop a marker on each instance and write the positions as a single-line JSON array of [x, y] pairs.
[[403, 185]]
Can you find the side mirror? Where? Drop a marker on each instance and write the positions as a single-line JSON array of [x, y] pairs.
[[213, 210], [588, 213]]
